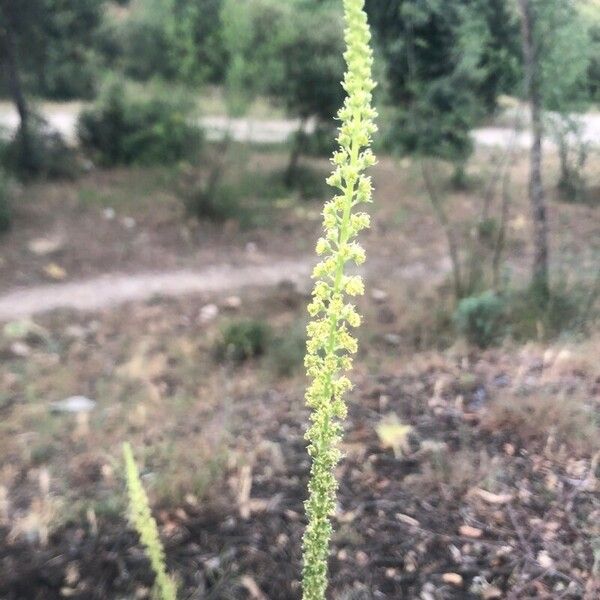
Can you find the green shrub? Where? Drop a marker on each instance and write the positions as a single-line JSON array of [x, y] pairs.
[[218, 203], [42, 153], [307, 182], [565, 310], [5, 203], [321, 142], [286, 351], [229, 191], [122, 128], [243, 340], [525, 314], [481, 319]]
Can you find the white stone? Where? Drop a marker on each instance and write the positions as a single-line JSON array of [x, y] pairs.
[[73, 404]]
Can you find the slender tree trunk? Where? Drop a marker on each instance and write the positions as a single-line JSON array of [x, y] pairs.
[[297, 149], [9, 50], [500, 240], [440, 212], [563, 154], [536, 189]]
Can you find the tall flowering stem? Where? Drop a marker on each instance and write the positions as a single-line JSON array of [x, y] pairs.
[[144, 523], [330, 344]]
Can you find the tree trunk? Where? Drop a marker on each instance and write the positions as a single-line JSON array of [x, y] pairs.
[[440, 212], [298, 146], [563, 154], [537, 198]]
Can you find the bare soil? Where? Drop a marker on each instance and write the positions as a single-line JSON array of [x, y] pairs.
[[495, 493]]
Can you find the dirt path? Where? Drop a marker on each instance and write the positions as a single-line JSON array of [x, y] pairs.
[[63, 118], [113, 289]]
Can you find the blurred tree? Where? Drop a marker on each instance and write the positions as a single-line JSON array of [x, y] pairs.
[[292, 52], [170, 39], [590, 12], [253, 32], [65, 63], [54, 40], [556, 59], [198, 40], [311, 53], [142, 43], [43, 44], [446, 63], [14, 25], [433, 72], [594, 70], [533, 91], [501, 52], [566, 91]]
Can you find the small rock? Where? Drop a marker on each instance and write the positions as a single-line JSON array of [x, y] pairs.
[[428, 591], [212, 564], [232, 303], [74, 404], [393, 339], [545, 560], [20, 349], [453, 579], [379, 295], [128, 222], [564, 356], [208, 313], [251, 248], [109, 213], [45, 246]]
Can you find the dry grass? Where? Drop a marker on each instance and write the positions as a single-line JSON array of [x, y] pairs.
[[453, 474], [559, 419]]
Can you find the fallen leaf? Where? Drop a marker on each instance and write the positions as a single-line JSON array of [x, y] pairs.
[[491, 498], [491, 593], [471, 532], [244, 487], [252, 588], [519, 223], [408, 520], [453, 579], [55, 272], [394, 434]]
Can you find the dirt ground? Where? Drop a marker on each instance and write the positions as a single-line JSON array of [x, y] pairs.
[[493, 492]]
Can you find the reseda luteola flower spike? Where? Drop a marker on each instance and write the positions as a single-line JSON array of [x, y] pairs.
[[330, 344], [144, 523]]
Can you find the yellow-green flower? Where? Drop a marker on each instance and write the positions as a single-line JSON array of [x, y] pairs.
[[330, 343], [144, 523]]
